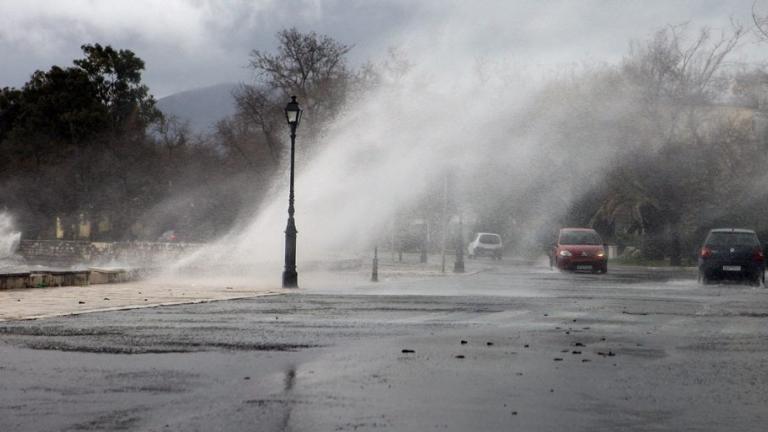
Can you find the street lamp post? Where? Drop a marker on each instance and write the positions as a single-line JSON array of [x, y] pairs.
[[290, 277]]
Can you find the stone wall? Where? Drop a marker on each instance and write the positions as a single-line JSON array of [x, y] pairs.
[[59, 253], [45, 279]]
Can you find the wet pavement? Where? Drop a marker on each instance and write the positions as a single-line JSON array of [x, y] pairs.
[[34, 303], [512, 347]]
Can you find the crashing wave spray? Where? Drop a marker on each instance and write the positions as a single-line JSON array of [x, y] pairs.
[[9, 240], [383, 153], [537, 141]]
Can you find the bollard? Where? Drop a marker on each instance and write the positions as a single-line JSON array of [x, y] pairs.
[[375, 271], [458, 266]]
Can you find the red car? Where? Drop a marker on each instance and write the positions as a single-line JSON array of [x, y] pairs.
[[579, 249]]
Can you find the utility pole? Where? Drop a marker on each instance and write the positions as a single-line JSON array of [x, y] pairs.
[[444, 221], [375, 268]]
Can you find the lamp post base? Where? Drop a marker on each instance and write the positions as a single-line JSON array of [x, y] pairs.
[[290, 279]]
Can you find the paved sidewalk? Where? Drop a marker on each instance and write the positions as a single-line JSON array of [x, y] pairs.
[[34, 303]]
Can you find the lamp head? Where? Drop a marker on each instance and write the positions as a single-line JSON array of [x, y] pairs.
[[293, 113]]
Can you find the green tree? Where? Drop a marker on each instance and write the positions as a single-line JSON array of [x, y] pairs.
[[74, 141], [117, 77], [54, 112]]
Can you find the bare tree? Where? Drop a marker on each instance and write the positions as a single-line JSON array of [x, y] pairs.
[[256, 108], [672, 70], [172, 134], [760, 21], [677, 82], [307, 65]]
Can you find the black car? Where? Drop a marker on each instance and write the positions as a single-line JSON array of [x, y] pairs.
[[732, 253]]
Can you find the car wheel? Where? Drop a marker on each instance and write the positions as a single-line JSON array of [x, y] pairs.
[[756, 280], [604, 269], [703, 279]]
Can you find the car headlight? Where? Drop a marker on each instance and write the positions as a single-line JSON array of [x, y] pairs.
[[601, 254], [565, 253]]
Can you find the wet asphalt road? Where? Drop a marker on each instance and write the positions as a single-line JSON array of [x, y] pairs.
[[510, 348]]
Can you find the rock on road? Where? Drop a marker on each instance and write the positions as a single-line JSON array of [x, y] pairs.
[[511, 348]]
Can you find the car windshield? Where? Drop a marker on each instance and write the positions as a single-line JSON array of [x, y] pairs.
[[732, 239], [490, 239], [580, 238]]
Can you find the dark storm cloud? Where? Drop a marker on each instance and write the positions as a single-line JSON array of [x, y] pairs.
[[195, 43], [185, 44]]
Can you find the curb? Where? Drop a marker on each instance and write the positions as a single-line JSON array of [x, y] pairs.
[[140, 306]]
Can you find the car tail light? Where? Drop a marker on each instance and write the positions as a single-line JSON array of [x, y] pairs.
[[706, 252], [757, 255]]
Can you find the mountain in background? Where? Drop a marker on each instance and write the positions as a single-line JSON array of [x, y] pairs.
[[201, 107]]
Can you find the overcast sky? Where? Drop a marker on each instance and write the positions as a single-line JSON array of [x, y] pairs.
[[195, 43]]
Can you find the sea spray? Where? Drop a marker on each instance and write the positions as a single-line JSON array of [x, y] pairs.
[[386, 152], [521, 144], [9, 240]]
